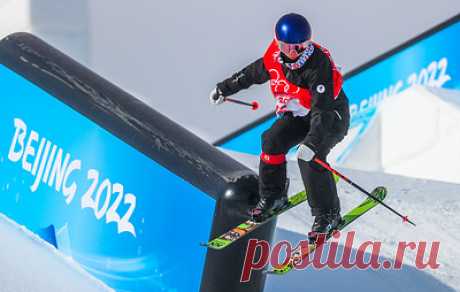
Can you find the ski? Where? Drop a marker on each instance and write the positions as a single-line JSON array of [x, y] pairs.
[[369, 203], [250, 225]]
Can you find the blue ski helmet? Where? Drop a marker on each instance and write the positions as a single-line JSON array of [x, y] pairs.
[[292, 29]]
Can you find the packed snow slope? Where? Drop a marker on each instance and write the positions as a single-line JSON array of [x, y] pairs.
[[433, 205], [415, 133], [28, 264]]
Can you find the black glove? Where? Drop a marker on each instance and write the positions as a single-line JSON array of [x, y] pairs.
[[216, 97]]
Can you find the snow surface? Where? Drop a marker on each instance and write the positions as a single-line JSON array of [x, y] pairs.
[[433, 205], [415, 133], [29, 264]]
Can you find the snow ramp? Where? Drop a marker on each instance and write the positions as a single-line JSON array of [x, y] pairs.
[[29, 263], [414, 133]]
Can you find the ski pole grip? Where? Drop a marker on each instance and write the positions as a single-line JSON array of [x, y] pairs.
[[253, 105]]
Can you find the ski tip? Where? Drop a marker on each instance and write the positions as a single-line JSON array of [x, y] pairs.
[[278, 271], [270, 272], [275, 272]]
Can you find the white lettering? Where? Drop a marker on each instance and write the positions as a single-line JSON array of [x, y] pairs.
[[58, 170], [38, 177], [37, 158], [52, 166], [70, 191], [18, 139], [30, 151], [48, 165]]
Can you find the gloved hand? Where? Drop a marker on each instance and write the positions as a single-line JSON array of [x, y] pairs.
[[305, 153], [216, 97]]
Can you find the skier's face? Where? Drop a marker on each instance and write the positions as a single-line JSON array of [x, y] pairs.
[[292, 51]]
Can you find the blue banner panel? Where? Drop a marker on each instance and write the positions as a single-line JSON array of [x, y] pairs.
[[432, 61], [114, 210]]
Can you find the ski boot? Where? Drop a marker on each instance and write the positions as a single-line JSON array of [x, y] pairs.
[[324, 224], [268, 205]]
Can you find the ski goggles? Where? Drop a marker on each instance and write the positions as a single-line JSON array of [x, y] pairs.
[[292, 51]]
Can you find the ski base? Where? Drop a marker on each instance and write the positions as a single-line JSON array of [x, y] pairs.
[[250, 225]]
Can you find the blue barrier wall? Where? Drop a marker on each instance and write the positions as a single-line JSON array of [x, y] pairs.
[[112, 183], [111, 202]]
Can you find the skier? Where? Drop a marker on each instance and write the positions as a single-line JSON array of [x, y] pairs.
[[312, 112]]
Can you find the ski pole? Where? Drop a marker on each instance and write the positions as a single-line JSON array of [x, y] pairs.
[[326, 166], [254, 105]]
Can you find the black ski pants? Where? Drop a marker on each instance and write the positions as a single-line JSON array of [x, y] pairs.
[[287, 132]]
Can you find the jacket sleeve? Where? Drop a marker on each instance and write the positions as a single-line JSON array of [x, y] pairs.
[[254, 73], [320, 83]]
